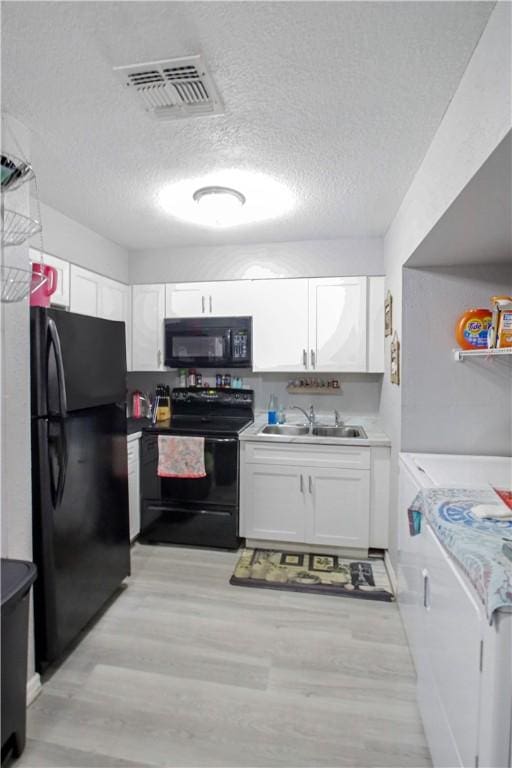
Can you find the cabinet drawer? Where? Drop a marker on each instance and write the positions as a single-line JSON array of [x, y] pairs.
[[343, 456]]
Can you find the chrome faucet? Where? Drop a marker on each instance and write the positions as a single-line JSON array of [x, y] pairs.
[[311, 416], [338, 422]]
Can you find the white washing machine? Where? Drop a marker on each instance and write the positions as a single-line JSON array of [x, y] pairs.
[[463, 664]]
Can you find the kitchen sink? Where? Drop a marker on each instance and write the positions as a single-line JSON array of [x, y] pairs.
[[316, 431], [285, 429], [357, 432]]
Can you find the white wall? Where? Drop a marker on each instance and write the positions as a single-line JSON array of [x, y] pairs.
[[477, 119], [72, 241], [15, 494], [313, 258], [448, 406]]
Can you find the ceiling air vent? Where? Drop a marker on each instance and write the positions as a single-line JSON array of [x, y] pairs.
[[174, 88]]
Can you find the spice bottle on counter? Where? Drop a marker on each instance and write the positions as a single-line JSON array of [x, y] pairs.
[[218, 379], [227, 380], [199, 379], [192, 377]]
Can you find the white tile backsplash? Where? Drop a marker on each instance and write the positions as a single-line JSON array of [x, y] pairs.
[[359, 393]]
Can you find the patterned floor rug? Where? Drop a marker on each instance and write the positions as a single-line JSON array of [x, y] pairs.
[[308, 572]]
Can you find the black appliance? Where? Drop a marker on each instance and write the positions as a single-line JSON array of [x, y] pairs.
[[199, 511], [208, 342], [79, 472]]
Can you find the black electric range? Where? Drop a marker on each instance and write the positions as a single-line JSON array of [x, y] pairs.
[[197, 511]]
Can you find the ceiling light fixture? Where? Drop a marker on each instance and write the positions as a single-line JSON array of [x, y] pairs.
[[197, 200], [220, 205]]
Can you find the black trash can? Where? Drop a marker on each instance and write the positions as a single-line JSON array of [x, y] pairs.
[[17, 578]]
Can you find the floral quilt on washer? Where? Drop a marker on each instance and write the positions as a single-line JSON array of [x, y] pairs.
[[475, 543]]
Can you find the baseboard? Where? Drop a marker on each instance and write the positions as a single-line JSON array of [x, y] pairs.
[[34, 688], [391, 572]]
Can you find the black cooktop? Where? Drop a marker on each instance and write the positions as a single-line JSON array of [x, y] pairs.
[[190, 425]]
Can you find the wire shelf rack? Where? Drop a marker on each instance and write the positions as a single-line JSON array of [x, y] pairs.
[[16, 283], [14, 172], [16, 228]]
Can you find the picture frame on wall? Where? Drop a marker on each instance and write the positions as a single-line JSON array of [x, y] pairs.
[[388, 314], [395, 360]]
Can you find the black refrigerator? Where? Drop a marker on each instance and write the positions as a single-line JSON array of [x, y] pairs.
[[79, 473]]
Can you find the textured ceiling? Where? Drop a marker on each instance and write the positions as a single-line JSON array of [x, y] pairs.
[[338, 101]]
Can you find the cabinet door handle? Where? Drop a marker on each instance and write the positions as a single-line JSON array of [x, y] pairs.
[[310, 483], [202, 304], [304, 358], [301, 484], [426, 589], [313, 358], [211, 304]]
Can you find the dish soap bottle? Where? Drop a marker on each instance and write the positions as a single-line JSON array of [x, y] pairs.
[[272, 410]]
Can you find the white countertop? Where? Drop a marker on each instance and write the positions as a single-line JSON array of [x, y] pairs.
[[375, 435]]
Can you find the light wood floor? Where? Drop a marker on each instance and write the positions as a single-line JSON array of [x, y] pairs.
[[185, 670]]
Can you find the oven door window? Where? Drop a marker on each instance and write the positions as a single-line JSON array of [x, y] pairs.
[[218, 489]]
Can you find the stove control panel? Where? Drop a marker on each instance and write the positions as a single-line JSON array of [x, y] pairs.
[[216, 397]]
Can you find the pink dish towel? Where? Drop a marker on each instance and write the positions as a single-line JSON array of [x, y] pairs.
[[180, 456]]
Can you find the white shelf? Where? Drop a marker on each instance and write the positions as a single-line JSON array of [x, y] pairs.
[[461, 354]]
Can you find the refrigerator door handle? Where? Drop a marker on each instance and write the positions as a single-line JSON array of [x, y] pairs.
[[55, 342], [57, 459], [63, 461]]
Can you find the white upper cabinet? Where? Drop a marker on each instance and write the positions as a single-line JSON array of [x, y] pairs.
[[85, 291], [226, 298], [337, 324], [148, 310], [280, 325], [61, 296], [114, 303], [113, 299]]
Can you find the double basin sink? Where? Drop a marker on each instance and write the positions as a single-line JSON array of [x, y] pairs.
[[316, 430]]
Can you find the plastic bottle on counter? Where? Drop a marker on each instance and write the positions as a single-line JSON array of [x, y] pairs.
[[192, 377], [281, 416], [272, 410], [182, 377]]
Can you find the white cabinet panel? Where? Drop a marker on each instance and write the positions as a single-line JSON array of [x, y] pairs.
[[148, 305], [337, 324], [229, 298], [185, 300], [114, 304], [85, 291], [453, 631], [376, 324], [280, 325], [113, 300], [226, 298], [273, 503], [284, 500], [134, 485], [339, 512], [61, 296]]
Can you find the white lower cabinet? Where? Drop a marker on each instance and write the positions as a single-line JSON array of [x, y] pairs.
[[339, 503], [307, 495], [134, 484], [275, 505]]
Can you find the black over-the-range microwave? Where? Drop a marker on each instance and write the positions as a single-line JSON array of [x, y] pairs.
[[208, 342]]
